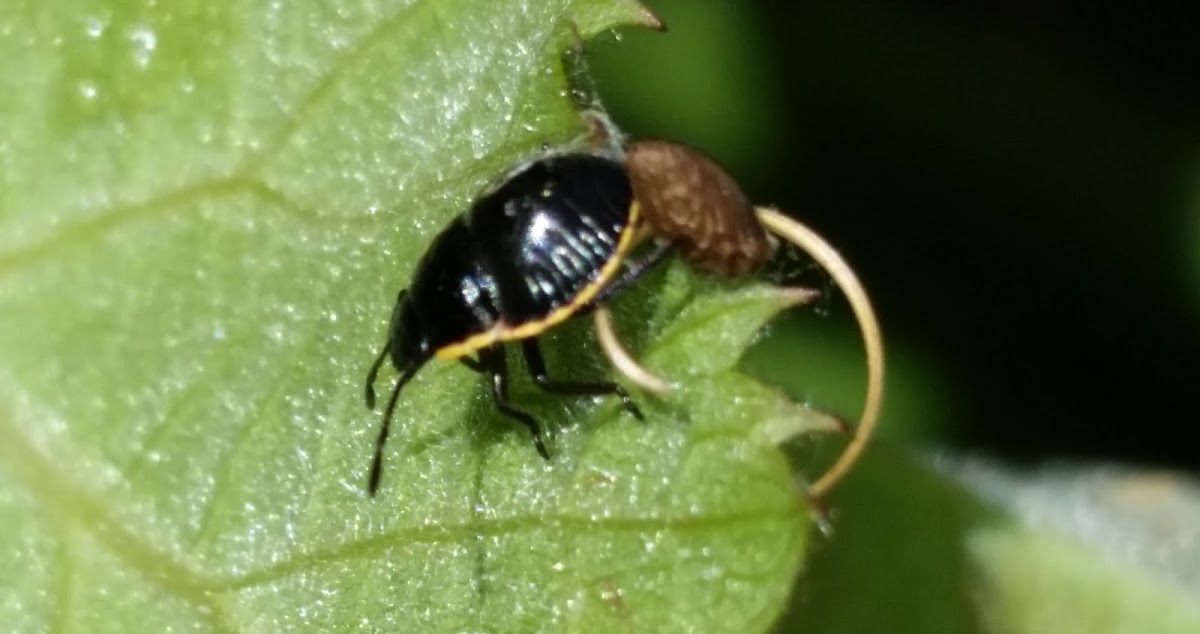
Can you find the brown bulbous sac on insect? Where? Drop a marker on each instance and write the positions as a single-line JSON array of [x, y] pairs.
[[689, 200]]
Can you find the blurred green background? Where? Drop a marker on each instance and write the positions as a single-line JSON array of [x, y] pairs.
[[1018, 184]]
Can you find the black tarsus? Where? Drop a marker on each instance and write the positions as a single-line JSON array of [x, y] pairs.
[[377, 463], [537, 370], [493, 358]]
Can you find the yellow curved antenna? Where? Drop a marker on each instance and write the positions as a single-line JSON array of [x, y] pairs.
[[843, 275], [624, 362], [837, 267]]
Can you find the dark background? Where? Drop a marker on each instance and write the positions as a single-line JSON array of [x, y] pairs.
[[1018, 184]]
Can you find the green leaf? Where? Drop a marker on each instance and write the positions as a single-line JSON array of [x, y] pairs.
[[895, 560], [969, 545], [1100, 549], [206, 209]]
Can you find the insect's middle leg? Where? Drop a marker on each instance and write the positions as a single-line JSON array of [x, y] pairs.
[[493, 360], [537, 369], [475, 365]]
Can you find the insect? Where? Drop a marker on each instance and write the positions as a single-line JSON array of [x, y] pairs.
[[556, 238], [552, 240]]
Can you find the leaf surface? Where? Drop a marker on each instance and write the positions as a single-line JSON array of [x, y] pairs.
[[206, 209]]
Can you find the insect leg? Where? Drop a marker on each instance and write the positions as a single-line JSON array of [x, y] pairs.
[[476, 365], [634, 270], [537, 369], [494, 360]]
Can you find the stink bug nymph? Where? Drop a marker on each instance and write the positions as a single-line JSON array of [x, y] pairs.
[[549, 242], [555, 238]]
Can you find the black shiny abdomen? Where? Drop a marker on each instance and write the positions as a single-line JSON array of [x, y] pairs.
[[524, 249], [546, 233]]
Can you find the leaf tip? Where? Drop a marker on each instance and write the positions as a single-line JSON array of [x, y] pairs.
[[793, 420], [649, 19], [790, 296]]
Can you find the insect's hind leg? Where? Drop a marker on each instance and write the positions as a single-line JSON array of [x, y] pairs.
[[494, 361], [537, 369], [633, 271]]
